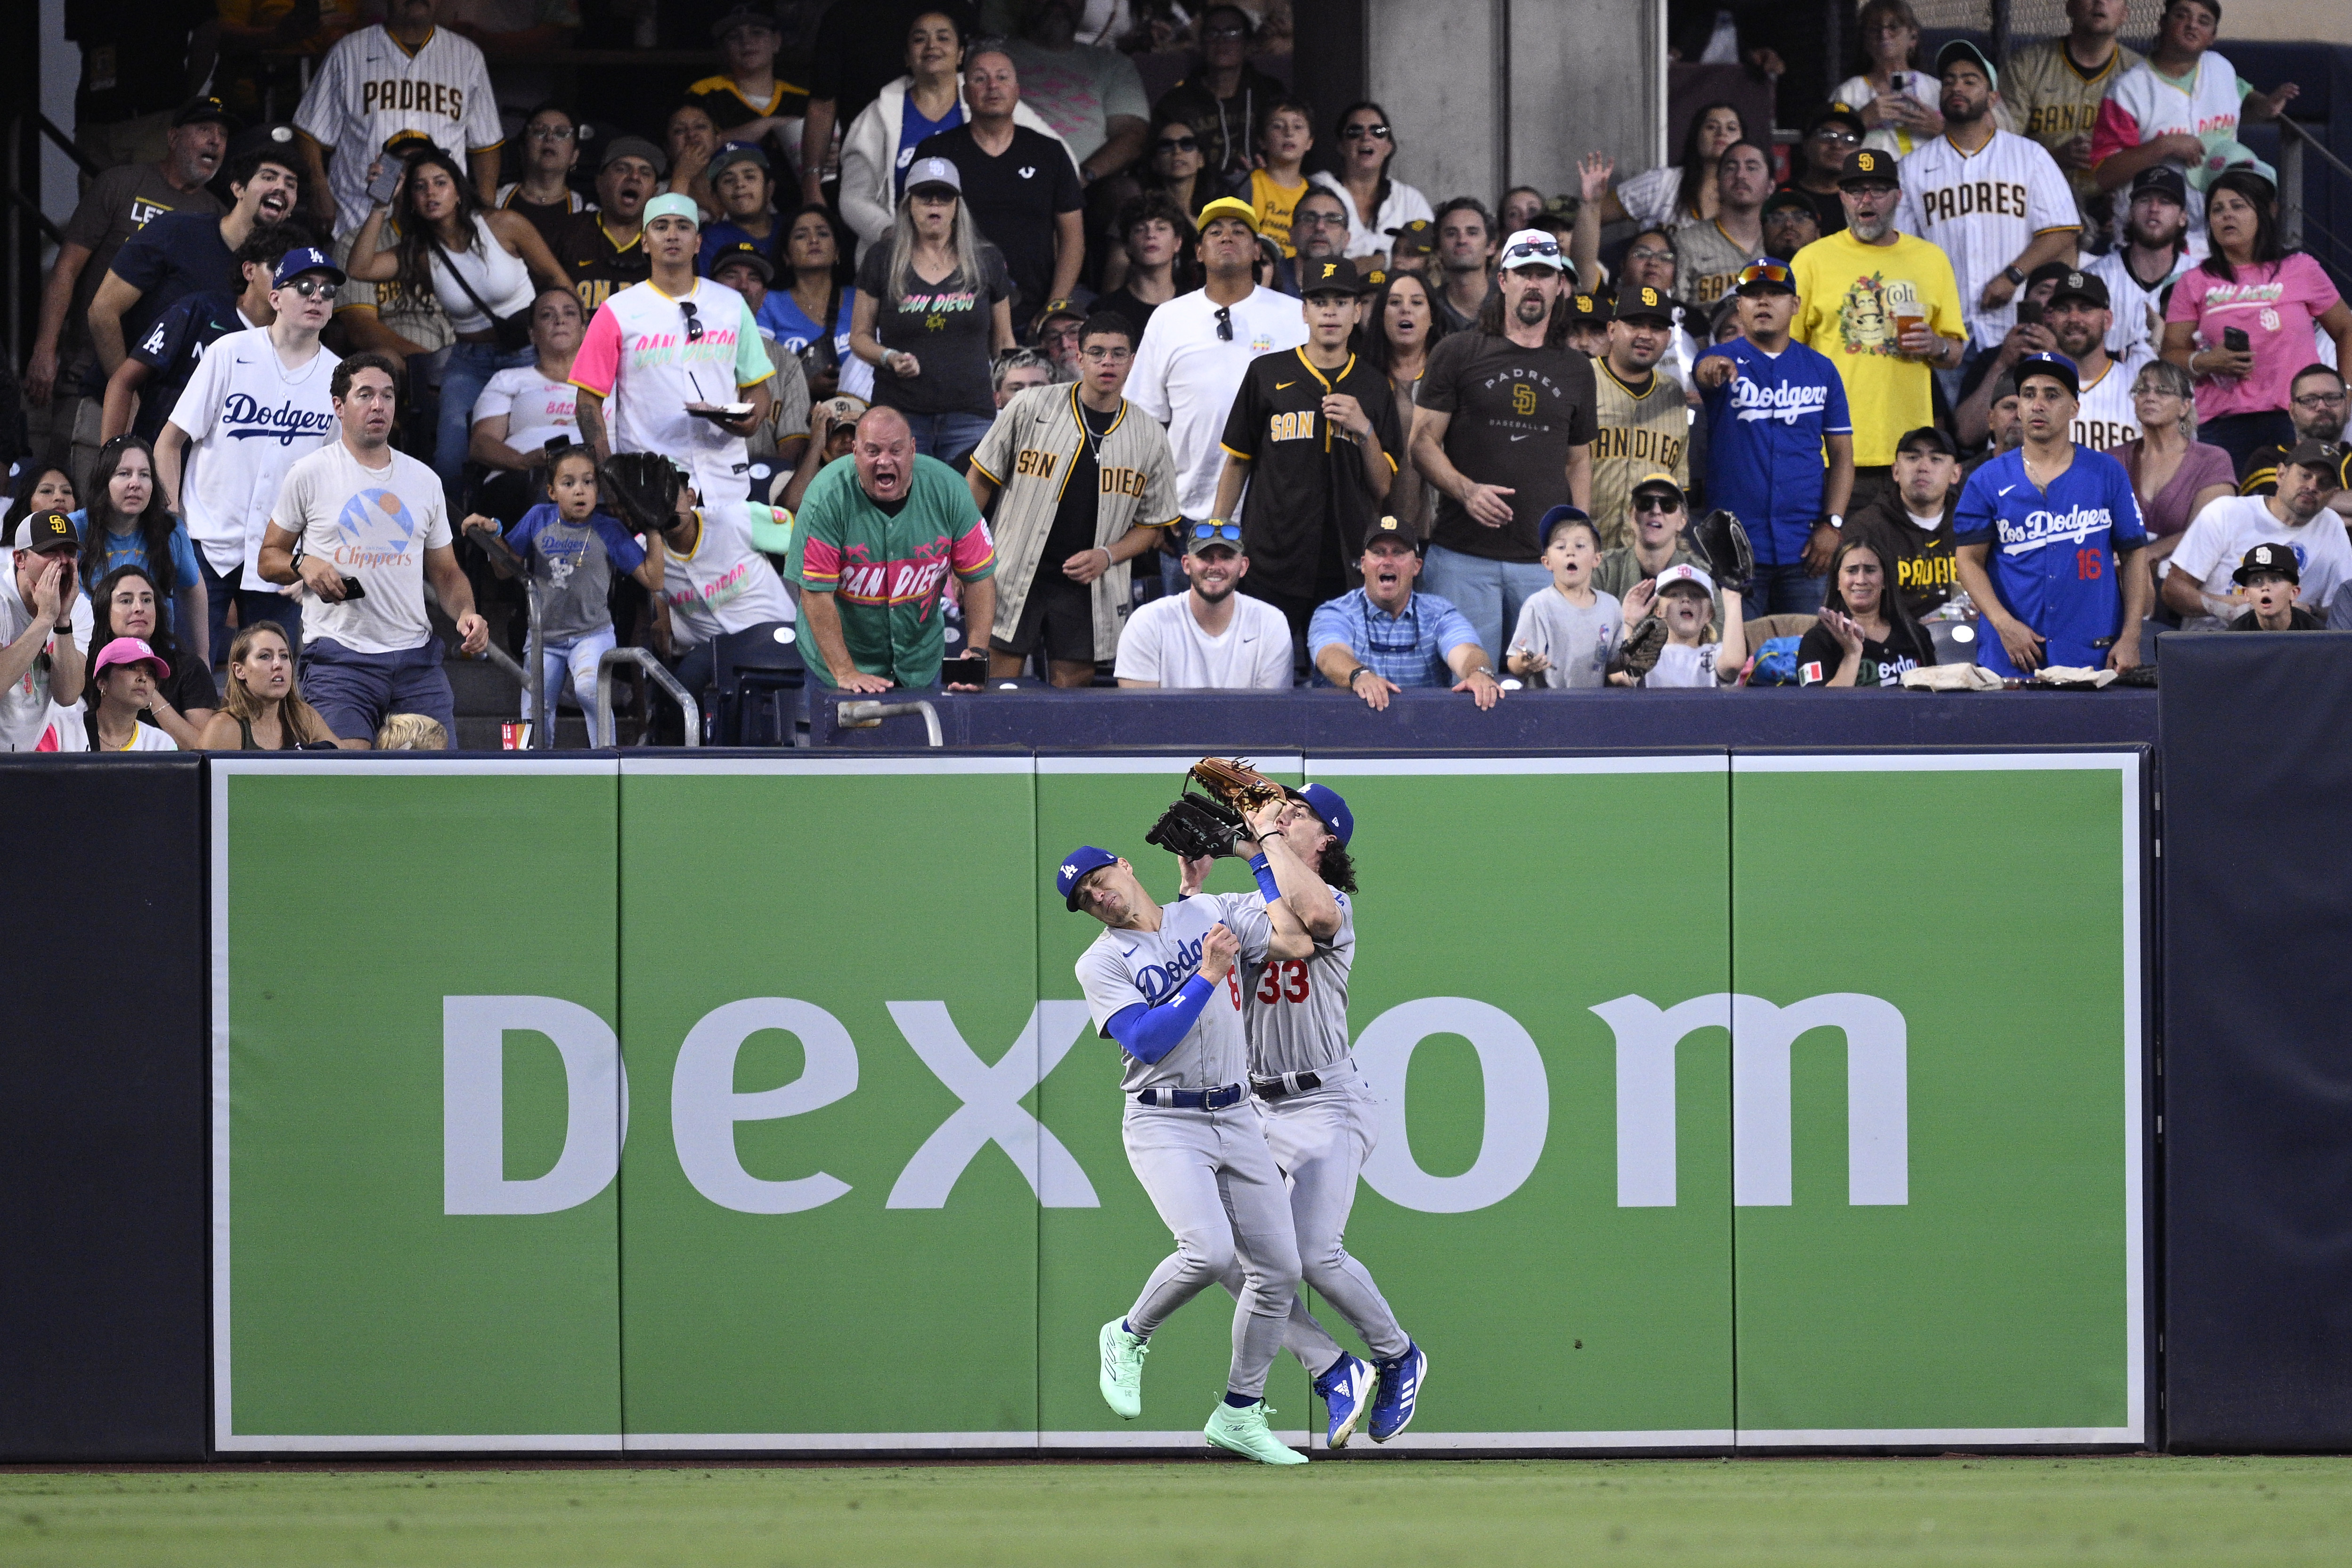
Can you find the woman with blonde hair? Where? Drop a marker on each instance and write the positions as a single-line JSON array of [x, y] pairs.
[[934, 308], [2174, 475], [262, 710]]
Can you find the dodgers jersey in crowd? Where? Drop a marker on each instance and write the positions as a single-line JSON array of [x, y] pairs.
[[2054, 552], [1766, 459], [372, 86], [248, 418], [2105, 415], [1122, 969], [1982, 209], [1297, 1011]]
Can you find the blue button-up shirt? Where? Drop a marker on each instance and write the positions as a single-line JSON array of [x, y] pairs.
[[1407, 649]]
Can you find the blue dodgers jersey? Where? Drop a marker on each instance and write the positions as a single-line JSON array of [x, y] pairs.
[[1765, 460], [2054, 552]]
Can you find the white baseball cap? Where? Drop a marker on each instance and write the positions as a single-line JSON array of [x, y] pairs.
[[1533, 247], [1684, 571]]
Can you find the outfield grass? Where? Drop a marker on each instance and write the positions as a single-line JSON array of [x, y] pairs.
[[1814, 1513]]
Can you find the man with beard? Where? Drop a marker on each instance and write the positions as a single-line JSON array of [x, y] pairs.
[[2315, 403], [604, 252], [2078, 319], [2198, 581], [1992, 200], [1465, 254], [2055, 87], [1209, 637], [1789, 223], [2155, 253], [1644, 423], [1716, 250]]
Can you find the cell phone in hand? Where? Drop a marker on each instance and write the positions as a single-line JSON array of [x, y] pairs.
[[965, 670], [2029, 313], [386, 181], [2234, 339], [352, 587]]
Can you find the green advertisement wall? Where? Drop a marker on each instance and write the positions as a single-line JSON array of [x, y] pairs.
[[749, 1104]]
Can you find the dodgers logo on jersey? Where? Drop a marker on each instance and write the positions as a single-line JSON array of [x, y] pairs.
[[2041, 527], [1157, 980], [243, 418], [1786, 403]]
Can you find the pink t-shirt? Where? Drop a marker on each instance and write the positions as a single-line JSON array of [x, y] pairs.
[[2274, 304]]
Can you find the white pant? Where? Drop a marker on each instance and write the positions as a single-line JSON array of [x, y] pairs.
[[1320, 1139], [1211, 1176], [572, 663]]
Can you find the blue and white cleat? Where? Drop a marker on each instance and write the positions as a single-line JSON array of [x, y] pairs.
[[1345, 1388], [1400, 1390]]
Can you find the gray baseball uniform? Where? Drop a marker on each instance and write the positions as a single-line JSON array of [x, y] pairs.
[[1211, 1174], [1297, 1021]]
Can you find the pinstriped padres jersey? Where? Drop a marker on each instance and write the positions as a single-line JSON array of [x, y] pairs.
[[1640, 434], [2057, 100], [1982, 209], [2105, 416], [1027, 453]]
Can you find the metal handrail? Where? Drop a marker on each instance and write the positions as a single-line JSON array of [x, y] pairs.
[[865, 716], [608, 729], [2289, 128], [48, 127]]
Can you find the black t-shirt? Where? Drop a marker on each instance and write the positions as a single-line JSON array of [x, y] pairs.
[[1137, 312], [1308, 506], [1013, 199], [597, 268], [1829, 211], [2298, 619], [861, 50], [1925, 571], [1081, 498], [1226, 128], [945, 325], [174, 256], [172, 348], [1908, 647], [1513, 414]]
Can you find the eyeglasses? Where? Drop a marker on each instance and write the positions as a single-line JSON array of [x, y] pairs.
[[2320, 400], [1224, 35], [1649, 253], [1180, 144], [313, 288], [1225, 323], [1112, 355], [1764, 272], [1231, 533], [1528, 249], [1309, 220], [552, 132], [693, 321], [1837, 133], [1656, 503], [1360, 130]]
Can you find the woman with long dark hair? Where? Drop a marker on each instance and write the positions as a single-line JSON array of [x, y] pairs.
[[1377, 205], [483, 267], [1403, 327], [127, 524], [1865, 637], [45, 487], [263, 710], [1682, 191], [810, 314], [2253, 286], [934, 307], [126, 602], [1172, 168]]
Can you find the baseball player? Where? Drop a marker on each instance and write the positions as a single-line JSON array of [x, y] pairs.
[[1991, 200], [1166, 985], [1319, 1112]]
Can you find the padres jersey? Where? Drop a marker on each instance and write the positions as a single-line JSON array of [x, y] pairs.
[[1296, 1013], [1641, 432], [1308, 504], [1982, 209], [2106, 416], [2058, 100], [371, 86], [1122, 968], [1711, 261], [1028, 455], [2137, 308]]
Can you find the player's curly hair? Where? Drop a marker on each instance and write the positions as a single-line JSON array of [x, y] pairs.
[[1337, 868]]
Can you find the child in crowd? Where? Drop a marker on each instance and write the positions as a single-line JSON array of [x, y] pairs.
[[2273, 583], [1568, 635], [1685, 600], [571, 548], [412, 732], [1284, 135]]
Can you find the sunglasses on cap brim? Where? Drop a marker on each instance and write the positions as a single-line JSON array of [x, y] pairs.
[[1221, 533], [1764, 272]]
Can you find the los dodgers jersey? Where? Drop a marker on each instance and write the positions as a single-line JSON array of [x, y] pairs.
[[2053, 557], [1298, 1010], [2105, 415], [370, 86], [1982, 209], [1123, 968]]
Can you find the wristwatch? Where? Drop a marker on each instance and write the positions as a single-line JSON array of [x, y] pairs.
[[1836, 520], [2016, 278], [1358, 670], [297, 562]]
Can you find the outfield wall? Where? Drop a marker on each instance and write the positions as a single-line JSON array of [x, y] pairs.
[[745, 1104]]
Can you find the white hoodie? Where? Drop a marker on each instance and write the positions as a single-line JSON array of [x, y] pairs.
[[870, 154]]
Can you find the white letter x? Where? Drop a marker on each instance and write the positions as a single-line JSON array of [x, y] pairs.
[[991, 1110]]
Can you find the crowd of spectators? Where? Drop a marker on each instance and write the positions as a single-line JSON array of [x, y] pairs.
[[2010, 364]]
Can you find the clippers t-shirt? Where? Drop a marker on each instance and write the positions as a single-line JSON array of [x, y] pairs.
[[1514, 412], [248, 418], [374, 523], [945, 325]]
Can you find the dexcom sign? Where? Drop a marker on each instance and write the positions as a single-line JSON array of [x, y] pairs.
[[603, 1120]]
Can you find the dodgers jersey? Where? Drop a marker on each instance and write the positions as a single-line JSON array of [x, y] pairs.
[[371, 86], [1982, 209], [2053, 554], [1766, 461], [1122, 968], [248, 418], [1297, 1011]]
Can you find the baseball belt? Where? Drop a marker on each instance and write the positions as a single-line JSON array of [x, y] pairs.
[[1218, 1099], [1299, 1083]]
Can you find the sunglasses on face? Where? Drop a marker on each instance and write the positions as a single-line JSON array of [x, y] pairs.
[[1225, 323], [1178, 144], [313, 288], [1360, 130], [1836, 133], [693, 321], [1224, 35], [1764, 272], [1528, 249], [1664, 504]]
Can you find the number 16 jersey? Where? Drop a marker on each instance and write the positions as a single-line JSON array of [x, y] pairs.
[[1297, 1011]]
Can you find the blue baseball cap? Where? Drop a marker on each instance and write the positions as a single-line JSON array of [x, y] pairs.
[[1074, 866], [1563, 513], [309, 259], [2054, 365], [1326, 803]]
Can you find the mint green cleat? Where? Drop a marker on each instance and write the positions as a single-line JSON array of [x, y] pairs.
[[1122, 1369], [1244, 1431]]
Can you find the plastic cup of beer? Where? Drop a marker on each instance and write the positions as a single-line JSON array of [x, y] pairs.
[[1908, 318]]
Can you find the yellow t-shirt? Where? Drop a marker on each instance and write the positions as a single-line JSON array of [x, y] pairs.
[[1849, 294], [1273, 204]]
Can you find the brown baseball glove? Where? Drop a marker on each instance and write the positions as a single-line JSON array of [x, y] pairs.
[[1236, 783], [1637, 655]]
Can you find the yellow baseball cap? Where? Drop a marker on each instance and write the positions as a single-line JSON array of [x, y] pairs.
[[1227, 207]]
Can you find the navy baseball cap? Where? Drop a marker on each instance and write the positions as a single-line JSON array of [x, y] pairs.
[[1563, 513], [1074, 866], [309, 258], [1326, 803], [2056, 366]]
